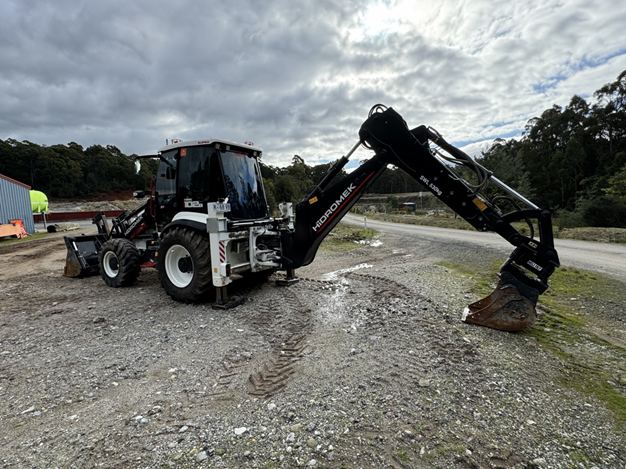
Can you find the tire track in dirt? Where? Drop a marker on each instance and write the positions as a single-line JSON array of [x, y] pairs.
[[385, 288], [289, 323], [278, 315], [49, 255]]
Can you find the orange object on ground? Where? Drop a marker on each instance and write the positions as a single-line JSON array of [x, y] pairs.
[[10, 230], [22, 229], [15, 228]]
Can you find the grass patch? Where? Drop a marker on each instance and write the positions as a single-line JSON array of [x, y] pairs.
[[483, 281], [345, 237], [7, 241], [438, 221], [603, 235], [403, 457], [590, 363], [567, 282], [563, 328]]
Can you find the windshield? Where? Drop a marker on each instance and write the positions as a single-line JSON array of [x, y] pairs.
[[244, 186]]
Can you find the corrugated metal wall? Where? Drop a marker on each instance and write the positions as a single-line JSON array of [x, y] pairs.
[[15, 203]]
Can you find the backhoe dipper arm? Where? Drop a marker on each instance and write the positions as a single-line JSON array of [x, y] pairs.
[[322, 209], [512, 305]]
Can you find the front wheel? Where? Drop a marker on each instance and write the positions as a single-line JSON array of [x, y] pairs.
[[184, 264], [119, 262]]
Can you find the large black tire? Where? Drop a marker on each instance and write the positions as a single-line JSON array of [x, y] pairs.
[[184, 265], [118, 261]]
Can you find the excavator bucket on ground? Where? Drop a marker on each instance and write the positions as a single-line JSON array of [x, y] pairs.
[[505, 309]]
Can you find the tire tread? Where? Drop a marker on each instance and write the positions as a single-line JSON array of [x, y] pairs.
[[128, 259], [199, 249]]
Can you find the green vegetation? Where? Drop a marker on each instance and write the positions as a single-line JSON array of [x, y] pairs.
[[567, 324], [7, 241], [572, 160], [403, 457], [449, 450], [605, 235], [420, 218], [66, 171], [482, 279], [564, 324], [345, 237]]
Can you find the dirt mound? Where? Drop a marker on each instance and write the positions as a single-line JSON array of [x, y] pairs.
[[92, 206]]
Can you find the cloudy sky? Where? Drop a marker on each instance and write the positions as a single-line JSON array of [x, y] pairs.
[[295, 77]]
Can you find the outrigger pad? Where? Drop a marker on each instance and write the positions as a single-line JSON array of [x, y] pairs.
[[505, 310]]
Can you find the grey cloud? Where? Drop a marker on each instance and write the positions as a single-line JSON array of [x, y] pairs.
[[287, 75]]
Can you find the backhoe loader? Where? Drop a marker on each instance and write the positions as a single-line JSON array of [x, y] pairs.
[[207, 222]]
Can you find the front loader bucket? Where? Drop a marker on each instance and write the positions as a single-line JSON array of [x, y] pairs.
[[82, 254], [505, 309]]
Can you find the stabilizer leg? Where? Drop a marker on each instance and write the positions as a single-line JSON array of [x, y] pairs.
[[290, 279], [222, 301]]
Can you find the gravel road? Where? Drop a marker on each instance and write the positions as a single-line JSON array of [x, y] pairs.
[[606, 258], [362, 364]]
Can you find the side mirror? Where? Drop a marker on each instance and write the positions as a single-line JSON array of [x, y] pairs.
[[139, 194]]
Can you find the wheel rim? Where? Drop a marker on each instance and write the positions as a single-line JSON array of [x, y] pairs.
[[111, 264], [176, 257]]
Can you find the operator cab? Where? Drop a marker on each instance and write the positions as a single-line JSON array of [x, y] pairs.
[[194, 173]]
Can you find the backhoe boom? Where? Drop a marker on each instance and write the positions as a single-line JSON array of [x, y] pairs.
[[420, 153]]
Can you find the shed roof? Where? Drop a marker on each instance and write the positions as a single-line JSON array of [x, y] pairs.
[[7, 178]]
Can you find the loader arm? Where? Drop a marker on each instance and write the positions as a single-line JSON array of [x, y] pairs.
[[428, 158]]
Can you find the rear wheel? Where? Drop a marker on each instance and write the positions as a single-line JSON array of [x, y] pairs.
[[184, 265], [119, 263]]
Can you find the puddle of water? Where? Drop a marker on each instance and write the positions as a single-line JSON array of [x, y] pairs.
[[374, 243], [335, 275]]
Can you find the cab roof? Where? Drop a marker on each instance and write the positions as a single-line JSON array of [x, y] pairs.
[[225, 144]]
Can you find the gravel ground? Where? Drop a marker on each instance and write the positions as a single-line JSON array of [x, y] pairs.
[[362, 364]]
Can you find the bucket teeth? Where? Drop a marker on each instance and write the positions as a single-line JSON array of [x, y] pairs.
[[505, 310]]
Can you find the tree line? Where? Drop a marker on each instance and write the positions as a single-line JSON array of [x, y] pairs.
[[70, 171], [571, 160]]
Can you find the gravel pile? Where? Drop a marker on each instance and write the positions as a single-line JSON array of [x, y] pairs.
[[87, 206]]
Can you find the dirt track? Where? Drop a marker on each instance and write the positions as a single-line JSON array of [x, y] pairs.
[[364, 363]]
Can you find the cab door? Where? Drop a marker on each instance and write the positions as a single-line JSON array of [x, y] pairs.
[[200, 178], [166, 199]]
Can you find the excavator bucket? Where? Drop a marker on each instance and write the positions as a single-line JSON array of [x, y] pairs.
[[505, 310], [82, 255]]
